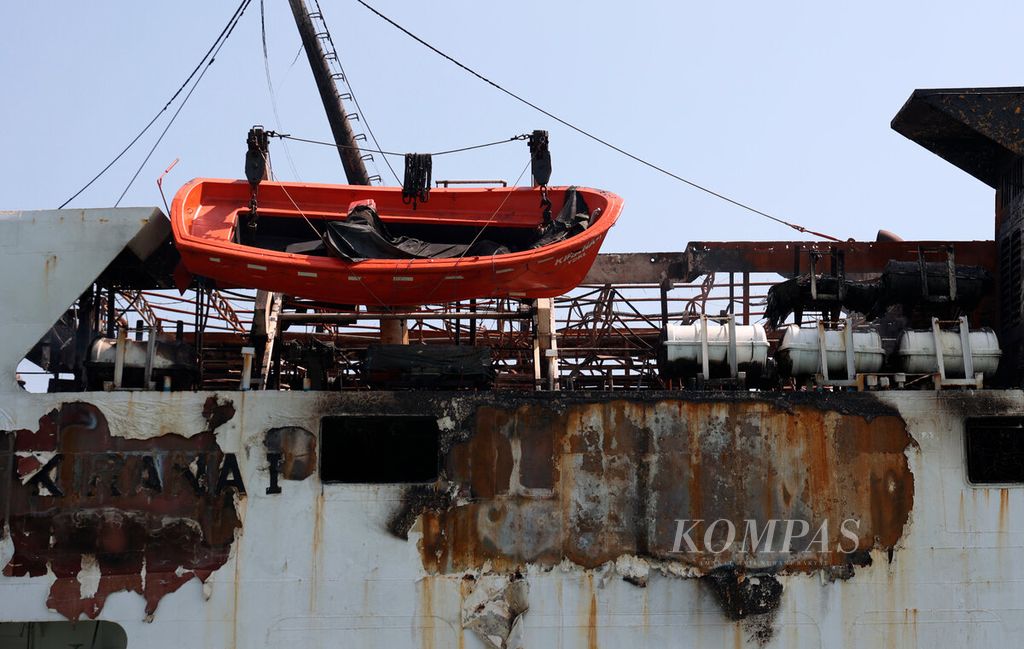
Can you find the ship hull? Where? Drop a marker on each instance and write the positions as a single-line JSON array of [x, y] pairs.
[[554, 520]]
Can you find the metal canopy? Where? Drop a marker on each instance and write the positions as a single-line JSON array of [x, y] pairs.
[[49, 257], [980, 130]]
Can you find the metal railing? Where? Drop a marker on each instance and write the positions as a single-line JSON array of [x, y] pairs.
[[608, 336]]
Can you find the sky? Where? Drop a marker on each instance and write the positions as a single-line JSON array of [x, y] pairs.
[[782, 105]]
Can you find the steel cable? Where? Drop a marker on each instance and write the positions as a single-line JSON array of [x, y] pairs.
[[593, 137], [234, 16]]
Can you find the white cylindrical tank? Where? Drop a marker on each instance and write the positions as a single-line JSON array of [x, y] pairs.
[[167, 355], [683, 343], [800, 355], [916, 352]]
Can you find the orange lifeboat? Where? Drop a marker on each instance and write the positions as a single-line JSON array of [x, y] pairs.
[[351, 244]]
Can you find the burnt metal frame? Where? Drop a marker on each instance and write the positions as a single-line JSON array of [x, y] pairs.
[[609, 330]]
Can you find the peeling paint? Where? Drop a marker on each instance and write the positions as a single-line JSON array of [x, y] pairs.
[[295, 448], [6, 477], [107, 514], [633, 569], [493, 608], [751, 596], [89, 577], [830, 482], [217, 412], [417, 500]]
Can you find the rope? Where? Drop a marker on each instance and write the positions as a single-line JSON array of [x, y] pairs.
[[416, 186], [593, 137], [238, 11]]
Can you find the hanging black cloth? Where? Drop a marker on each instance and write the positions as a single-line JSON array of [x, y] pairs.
[[364, 235], [573, 218]]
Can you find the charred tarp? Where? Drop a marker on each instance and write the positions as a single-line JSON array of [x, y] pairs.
[[819, 480], [108, 514]]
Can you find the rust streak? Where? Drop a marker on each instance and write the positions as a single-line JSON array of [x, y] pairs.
[[314, 570], [1004, 508], [623, 472], [592, 621], [427, 612]]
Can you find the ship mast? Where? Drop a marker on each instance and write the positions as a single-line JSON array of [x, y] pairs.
[[355, 170], [392, 331]]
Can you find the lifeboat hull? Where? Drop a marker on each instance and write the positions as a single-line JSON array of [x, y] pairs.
[[208, 214]]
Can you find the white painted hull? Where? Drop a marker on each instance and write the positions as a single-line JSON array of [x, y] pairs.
[[315, 567]]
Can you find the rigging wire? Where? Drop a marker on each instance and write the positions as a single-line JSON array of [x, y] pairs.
[[227, 33], [288, 70], [508, 194], [323, 237], [581, 131], [238, 10], [285, 136], [352, 94], [481, 146], [320, 235], [270, 87]]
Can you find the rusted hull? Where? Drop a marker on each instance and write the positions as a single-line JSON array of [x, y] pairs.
[[557, 520], [597, 481]]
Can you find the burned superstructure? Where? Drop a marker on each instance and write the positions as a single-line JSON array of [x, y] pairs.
[[783, 443]]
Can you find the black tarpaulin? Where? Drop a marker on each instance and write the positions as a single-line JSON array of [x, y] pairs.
[[363, 235], [902, 283], [428, 366], [572, 219]]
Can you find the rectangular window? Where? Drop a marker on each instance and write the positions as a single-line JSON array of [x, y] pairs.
[[995, 450], [382, 449]]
